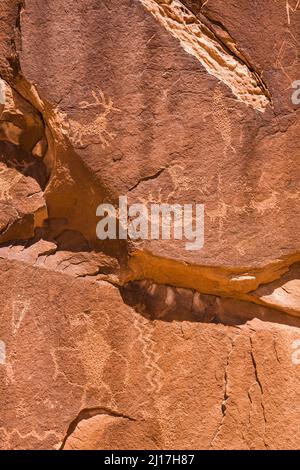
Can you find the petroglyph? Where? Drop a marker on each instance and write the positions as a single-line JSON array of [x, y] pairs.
[[221, 120], [287, 56], [20, 308], [199, 41], [154, 375], [33, 433], [265, 205], [2, 352], [179, 184], [180, 181], [291, 8], [97, 130]]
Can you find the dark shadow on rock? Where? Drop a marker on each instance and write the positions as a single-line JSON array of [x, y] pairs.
[[168, 303]]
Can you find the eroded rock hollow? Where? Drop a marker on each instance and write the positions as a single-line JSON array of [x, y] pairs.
[[141, 343]]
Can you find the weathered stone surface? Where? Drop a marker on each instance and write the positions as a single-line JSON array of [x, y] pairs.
[[122, 344], [244, 168], [84, 370]]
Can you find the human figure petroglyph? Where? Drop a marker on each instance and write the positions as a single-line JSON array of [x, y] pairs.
[[82, 134]]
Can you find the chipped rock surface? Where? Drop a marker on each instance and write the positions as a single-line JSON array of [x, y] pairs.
[[130, 344]]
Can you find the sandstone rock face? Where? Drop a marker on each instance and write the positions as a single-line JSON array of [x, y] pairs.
[[143, 344]]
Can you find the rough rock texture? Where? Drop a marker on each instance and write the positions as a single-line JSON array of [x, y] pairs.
[[84, 370], [122, 344]]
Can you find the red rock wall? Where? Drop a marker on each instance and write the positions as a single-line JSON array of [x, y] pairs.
[[130, 344]]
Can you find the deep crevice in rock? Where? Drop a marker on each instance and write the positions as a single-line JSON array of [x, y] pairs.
[[88, 413], [168, 303]]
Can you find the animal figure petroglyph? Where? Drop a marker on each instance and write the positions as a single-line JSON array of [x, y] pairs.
[[179, 184], [82, 134]]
